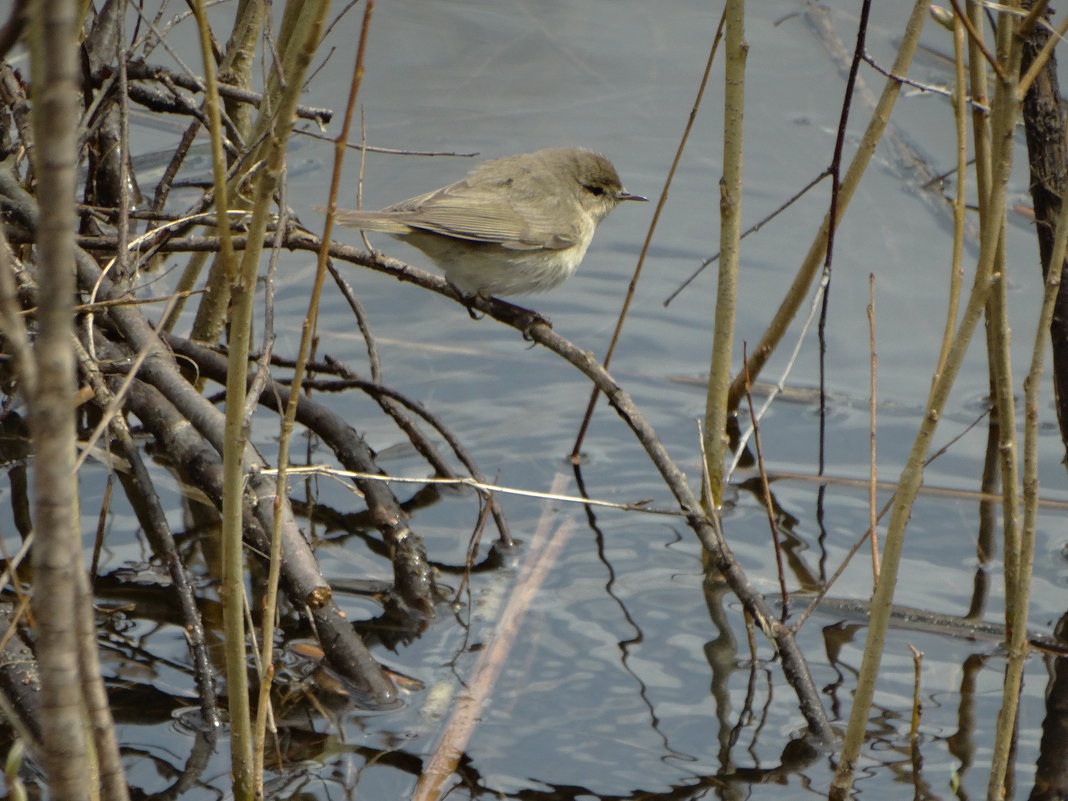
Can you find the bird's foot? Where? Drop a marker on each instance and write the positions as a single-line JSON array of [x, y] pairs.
[[525, 319], [467, 300]]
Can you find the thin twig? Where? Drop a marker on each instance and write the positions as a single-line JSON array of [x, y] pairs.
[[769, 506], [584, 426], [463, 481]]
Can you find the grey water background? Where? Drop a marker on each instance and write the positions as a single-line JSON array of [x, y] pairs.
[[622, 682]]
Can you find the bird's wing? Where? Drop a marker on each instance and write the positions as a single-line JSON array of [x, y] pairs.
[[474, 210]]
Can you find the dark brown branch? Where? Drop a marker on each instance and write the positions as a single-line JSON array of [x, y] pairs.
[[304, 585], [1044, 126], [20, 680], [413, 577], [138, 70], [141, 492], [12, 29], [301, 573]]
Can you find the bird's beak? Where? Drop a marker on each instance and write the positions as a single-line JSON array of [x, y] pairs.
[[625, 195]]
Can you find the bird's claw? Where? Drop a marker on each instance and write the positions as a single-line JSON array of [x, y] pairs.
[[526, 319]]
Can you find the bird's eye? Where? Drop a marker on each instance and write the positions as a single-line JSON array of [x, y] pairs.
[[595, 190]]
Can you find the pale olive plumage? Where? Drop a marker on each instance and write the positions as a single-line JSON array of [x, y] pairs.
[[513, 225]]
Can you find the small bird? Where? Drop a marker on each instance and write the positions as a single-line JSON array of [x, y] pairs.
[[513, 225]]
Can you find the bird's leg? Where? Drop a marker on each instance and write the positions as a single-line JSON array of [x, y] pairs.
[[466, 299], [524, 317]]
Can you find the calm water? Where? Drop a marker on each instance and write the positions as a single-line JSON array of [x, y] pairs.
[[627, 677]]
